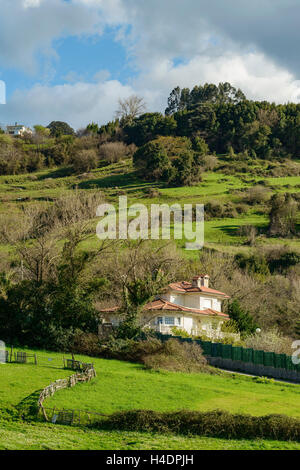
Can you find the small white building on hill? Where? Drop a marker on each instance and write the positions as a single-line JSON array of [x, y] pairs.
[[18, 129], [190, 306]]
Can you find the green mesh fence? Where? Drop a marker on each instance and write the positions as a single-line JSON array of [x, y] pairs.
[[269, 359], [207, 348], [258, 357], [280, 361], [247, 355], [237, 352], [226, 351], [216, 349], [289, 363]]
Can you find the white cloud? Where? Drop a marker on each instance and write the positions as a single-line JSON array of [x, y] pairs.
[[256, 75], [250, 44], [30, 26], [31, 3], [78, 104]]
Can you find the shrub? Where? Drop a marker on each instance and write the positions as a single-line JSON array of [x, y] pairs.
[[152, 192], [171, 355], [153, 161], [85, 343], [271, 341], [186, 172], [257, 195], [176, 356], [210, 162], [215, 209], [85, 160], [250, 232], [179, 332], [215, 423], [115, 151], [283, 215]]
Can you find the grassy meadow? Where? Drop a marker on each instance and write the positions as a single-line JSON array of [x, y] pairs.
[[125, 386]]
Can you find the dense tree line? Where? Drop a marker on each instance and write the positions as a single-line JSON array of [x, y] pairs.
[[220, 117], [226, 120]]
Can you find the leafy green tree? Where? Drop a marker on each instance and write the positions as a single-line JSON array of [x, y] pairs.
[[60, 128], [186, 170], [254, 264], [244, 321], [224, 93], [153, 161], [93, 128], [200, 147], [177, 101], [149, 126]]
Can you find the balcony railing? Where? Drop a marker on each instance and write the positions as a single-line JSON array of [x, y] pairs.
[[213, 334]]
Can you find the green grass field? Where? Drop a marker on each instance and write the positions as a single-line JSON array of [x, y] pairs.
[[137, 388], [40, 436], [124, 386]]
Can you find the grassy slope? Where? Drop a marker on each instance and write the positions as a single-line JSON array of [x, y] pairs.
[[17, 381], [120, 178], [122, 385], [38, 436]]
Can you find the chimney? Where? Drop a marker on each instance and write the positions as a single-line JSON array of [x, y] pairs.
[[201, 281]]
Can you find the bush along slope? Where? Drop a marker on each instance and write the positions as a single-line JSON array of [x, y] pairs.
[[215, 423]]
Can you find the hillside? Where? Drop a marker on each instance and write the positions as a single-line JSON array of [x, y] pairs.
[[221, 232]]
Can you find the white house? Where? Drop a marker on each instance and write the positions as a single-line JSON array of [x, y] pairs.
[[190, 306], [17, 129]]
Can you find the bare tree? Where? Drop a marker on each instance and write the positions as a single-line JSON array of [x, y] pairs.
[[130, 108]]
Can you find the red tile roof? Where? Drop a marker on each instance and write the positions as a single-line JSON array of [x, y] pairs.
[[188, 287], [162, 304]]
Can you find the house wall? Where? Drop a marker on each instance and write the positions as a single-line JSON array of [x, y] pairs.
[[188, 324], [193, 324], [198, 301]]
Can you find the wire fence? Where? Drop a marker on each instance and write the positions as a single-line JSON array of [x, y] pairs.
[[72, 416], [86, 372], [24, 357]]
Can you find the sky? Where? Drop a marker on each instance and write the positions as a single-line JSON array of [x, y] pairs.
[[72, 60]]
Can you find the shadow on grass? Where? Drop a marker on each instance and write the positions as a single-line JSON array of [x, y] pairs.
[[232, 230], [59, 173], [28, 407], [128, 180]]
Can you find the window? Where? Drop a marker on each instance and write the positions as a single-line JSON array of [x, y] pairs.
[[171, 321], [207, 303]]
